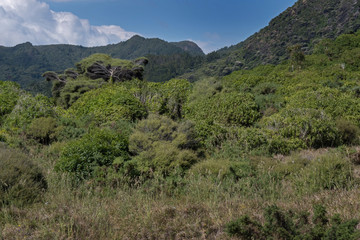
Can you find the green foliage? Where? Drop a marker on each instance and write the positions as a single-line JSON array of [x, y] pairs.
[[68, 94], [244, 228], [174, 94], [105, 59], [297, 56], [91, 73], [289, 225], [70, 128], [21, 181], [211, 114], [308, 27], [334, 102], [9, 94], [313, 127], [42, 129], [96, 149], [162, 146], [325, 173], [284, 145], [109, 104], [349, 132], [27, 109]]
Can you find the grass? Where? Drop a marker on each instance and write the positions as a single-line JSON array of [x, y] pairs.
[[200, 207]]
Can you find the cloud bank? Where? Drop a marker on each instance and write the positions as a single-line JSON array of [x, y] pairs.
[[33, 21]]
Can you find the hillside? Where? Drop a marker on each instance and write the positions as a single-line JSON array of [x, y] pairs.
[[25, 63], [305, 23], [269, 152]]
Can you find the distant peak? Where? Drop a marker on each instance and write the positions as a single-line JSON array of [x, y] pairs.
[[189, 47], [26, 44], [135, 37]]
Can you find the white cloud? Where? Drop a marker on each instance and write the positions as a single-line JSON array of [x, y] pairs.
[[35, 22]]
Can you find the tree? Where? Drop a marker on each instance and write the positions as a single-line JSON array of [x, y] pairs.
[[297, 56]]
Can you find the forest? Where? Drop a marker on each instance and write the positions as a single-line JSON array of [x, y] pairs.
[[265, 153]]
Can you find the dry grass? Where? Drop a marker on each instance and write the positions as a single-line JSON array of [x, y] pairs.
[[199, 211]]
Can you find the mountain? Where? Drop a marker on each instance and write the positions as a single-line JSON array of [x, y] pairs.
[[190, 47], [25, 63], [305, 23]]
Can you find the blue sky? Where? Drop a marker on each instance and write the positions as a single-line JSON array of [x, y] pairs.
[[211, 23]]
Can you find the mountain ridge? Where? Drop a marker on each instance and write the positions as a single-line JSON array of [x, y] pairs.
[[24, 63]]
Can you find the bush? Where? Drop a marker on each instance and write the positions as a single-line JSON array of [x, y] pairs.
[[70, 128], [162, 146], [313, 127], [21, 181], [98, 148], [27, 109], [333, 102], [226, 108], [349, 132], [9, 94], [280, 224], [174, 96], [109, 104], [212, 168], [42, 129], [281, 145]]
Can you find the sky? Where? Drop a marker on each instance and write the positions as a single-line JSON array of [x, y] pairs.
[[212, 24]]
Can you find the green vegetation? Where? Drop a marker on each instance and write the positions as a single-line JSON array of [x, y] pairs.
[[21, 181], [288, 225], [162, 146], [124, 158], [98, 148]]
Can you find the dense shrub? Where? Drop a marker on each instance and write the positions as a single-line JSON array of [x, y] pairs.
[[162, 146], [70, 128], [27, 109], [282, 145], [280, 224], [67, 95], [174, 96], [332, 101], [98, 148], [109, 104], [21, 181], [9, 94], [349, 132], [42, 129], [313, 127], [226, 108]]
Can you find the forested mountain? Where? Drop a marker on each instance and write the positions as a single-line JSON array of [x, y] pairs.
[[25, 63], [305, 23]]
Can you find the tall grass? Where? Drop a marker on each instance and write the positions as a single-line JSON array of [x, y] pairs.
[[195, 207]]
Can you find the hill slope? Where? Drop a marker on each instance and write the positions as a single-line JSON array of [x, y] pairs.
[[305, 23]]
